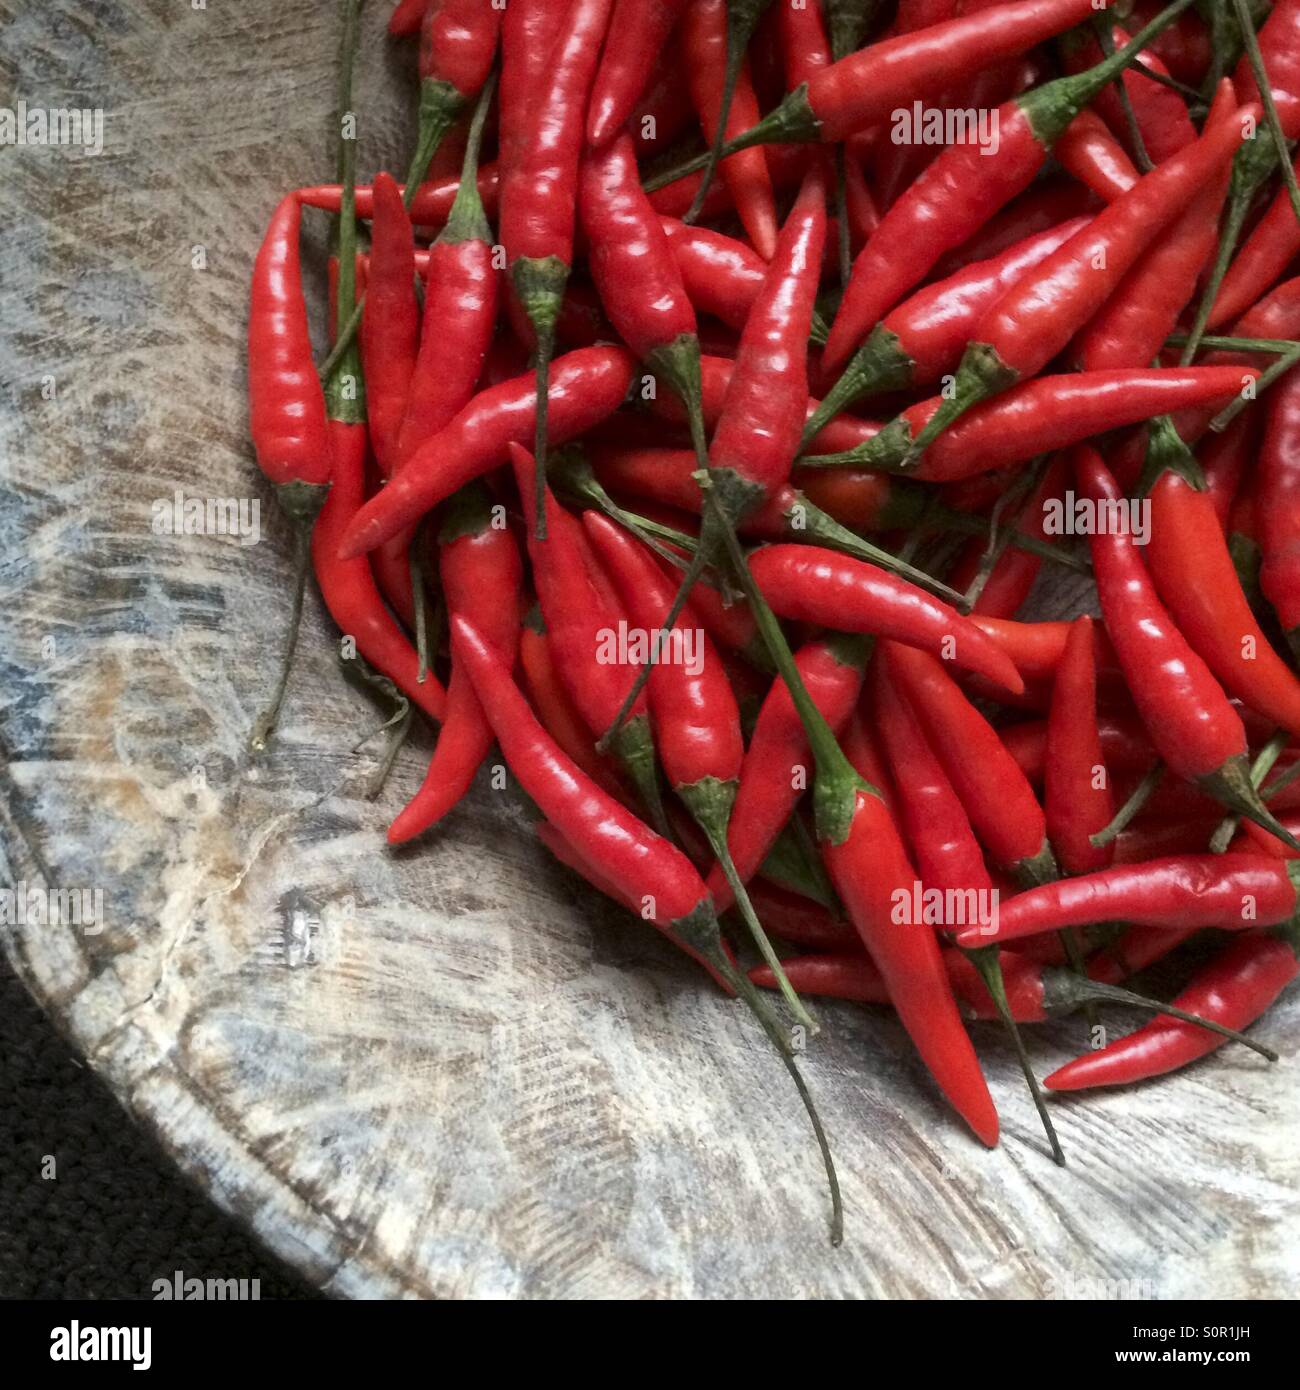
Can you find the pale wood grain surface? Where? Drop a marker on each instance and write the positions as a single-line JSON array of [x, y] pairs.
[[465, 1075]]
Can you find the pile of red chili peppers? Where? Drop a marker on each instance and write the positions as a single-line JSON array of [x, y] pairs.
[[581, 476]]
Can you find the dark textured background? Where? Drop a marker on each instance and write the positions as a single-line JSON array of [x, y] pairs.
[[118, 1215]]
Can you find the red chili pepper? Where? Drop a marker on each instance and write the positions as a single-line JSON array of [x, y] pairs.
[[390, 326], [812, 585], [529, 30], [1278, 502], [1233, 892], [538, 200], [1044, 206], [1125, 746], [1036, 417], [458, 41], [406, 18], [805, 45], [1077, 794], [925, 336], [557, 713], [1192, 724], [722, 276], [481, 577], [586, 387], [1134, 951], [640, 865], [429, 207], [583, 618], [1184, 48], [866, 86], [965, 185], [1037, 649], [1090, 153], [1019, 334], [1131, 327], [1279, 46], [776, 770], [996, 794], [1260, 263], [665, 112], [638, 31], [1233, 990], [724, 97], [799, 920], [869, 868]]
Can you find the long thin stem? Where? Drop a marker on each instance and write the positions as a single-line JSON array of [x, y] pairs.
[[266, 721], [1276, 369], [1137, 799]]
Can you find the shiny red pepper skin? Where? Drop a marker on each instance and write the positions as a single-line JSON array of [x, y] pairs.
[[757, 435], [586, 386], [629, 255], [458, 42], [1125, 746], [1037, 317], [481, 572], [1090, 153], [286, 403], [430, 207], [812, 585], [996, 794], [1034, 417], [1233, 989], [1279, 47], [722, 275], [349, 589], [638, 30], [406, 18], [390, 327], [704, 44], [529, 30], [778, 762], [1193, 726], [869, 868], [805, 48], [1278, 501], [1233, 892], [1077, 792]]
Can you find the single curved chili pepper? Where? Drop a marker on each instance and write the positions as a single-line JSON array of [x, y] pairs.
[[481, 574], [286, 411], [1161, 114], [1192, 724], [1090, 153], [1020, 333], [813, 585], [1131, 327], [638, 30], [538, 200], [1278, 503], [965, 185], [714, 44], [556, 711], [390, 325], [640, 865], [583, 618], [1192, 567], [1035, 417], [869, 868], [406, 18], [458, 41], [722, 275], [695, 715], [1234, 990], [1077, 796], [586, 386], [775, 772], [925, 336], [996, 794], [1233, 892]]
